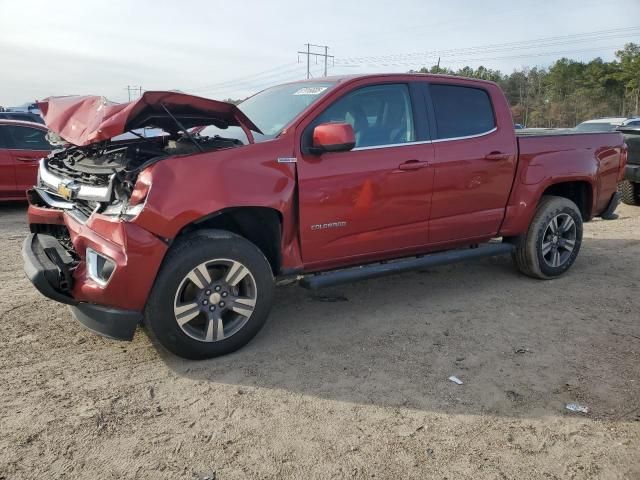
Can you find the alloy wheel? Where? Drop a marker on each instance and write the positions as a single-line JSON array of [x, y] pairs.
[[215, 300], [559, 240]]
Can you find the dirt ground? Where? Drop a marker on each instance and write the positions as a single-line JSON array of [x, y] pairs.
[[347, 383]]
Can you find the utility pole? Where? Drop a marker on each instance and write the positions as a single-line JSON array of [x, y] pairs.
[[310, 53], [326, 50], [135, 89]]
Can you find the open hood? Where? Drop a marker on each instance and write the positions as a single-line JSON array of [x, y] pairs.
[[83, 120]]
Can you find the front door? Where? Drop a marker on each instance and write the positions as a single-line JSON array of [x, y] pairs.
[[372, 201]]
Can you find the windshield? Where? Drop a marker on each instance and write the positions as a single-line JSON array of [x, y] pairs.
[[596, 127], [273, 109]]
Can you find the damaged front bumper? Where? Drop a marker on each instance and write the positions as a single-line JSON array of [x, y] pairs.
[[103, 268], [49, 267]]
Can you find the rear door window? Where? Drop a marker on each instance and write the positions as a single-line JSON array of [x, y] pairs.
[[461, 111], [27, 138]]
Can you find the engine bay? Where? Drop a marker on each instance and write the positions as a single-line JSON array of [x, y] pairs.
[[109, 169], [94, 164]]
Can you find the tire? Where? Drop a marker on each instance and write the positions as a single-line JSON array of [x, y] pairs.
[[212, 295], [630, 192], [560, 248]]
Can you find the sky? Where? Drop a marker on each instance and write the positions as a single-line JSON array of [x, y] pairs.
[[232, 49]]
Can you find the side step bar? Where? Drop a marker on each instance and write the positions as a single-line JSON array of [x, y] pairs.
[[374, 270]]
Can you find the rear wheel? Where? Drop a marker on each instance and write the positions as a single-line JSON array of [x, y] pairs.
[[212, 295], [553, 240], [630, 192]]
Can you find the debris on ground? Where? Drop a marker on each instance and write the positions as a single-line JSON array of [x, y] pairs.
[[576, 407], [514, 396], [522, 350], [456, 380]]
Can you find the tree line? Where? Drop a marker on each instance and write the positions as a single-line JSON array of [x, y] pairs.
[[568, 92]]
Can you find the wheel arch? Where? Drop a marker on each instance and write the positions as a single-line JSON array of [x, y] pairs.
[[579, 192], [526, 199], [262, 226]]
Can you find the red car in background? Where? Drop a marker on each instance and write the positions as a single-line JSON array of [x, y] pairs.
[[22, 145]]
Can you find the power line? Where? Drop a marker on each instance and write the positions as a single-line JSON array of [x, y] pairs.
[[248, 81], [241, 79], [256, 87], [275, 77], [422, 61], [526, 44], [564, 39]]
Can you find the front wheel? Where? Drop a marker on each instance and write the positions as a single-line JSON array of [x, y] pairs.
[[553, 240], [212, 295]]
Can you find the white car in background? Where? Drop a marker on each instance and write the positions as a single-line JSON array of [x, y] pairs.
[[608, 124]]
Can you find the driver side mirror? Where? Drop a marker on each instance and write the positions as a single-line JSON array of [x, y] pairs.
[[333, 137]]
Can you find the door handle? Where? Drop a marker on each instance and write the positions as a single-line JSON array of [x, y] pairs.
[[27, 159], [412, 165], [497, 156]]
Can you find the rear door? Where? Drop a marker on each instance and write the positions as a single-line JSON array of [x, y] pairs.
[[7, 168], [29, 146], [474, 164], [371, 201]]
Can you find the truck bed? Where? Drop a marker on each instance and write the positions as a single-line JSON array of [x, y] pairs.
[[542, 132], [560, 154]]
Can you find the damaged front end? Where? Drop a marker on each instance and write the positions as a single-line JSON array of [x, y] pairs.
[[85, 249], [106, 177], [99, 171]]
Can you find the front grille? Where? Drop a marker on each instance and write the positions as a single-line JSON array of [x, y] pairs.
[[59, 168]]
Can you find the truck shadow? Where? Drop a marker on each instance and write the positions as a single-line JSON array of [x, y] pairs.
[[522, 347]]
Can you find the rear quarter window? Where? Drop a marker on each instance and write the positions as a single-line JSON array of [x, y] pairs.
[[461, 111]]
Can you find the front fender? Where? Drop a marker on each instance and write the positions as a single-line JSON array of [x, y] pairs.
[[189, 188]]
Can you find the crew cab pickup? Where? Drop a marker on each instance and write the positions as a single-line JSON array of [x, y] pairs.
[[322, 182]]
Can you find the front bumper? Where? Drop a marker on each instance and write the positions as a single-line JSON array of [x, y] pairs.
[[632, 173], [50, 268]]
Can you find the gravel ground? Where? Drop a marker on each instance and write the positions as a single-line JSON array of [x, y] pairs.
[[346, 383]]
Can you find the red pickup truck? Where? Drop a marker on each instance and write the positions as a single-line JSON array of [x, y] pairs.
[[324, 181]]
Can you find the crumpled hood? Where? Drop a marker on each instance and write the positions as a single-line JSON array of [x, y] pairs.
[[83, 120]]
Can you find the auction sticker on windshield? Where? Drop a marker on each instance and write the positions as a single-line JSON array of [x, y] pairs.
[[310, 91]]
